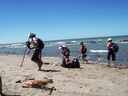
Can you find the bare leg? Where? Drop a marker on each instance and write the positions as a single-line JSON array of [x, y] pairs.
[[108, 63], [40, 62], [39, 66], [114, 64], [86, 60]]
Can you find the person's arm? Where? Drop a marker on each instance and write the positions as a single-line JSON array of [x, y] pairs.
[[68, 61], [35, 41], [34, 44], [80, 49], [108, 45]]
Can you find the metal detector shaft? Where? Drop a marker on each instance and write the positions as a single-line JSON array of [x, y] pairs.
[[23, 56]]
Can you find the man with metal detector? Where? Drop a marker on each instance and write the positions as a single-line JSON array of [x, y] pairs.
[[37, 45]]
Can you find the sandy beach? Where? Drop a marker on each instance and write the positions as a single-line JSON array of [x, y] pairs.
[[89, 80]]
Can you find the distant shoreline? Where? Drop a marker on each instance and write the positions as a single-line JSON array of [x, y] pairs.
[[70, 39], [51, 48], [88, 38]]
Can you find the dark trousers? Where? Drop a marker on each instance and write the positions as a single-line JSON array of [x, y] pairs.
[[112, 54]]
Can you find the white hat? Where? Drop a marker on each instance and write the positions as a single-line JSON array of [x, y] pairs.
[[63, 45], [109, 39], [60, 47]]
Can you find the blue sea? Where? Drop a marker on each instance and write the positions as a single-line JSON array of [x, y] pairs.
[[96, 48]]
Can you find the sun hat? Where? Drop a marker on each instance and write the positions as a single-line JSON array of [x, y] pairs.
[[109, 39], [63, 45], [60, 47], [31, 35]]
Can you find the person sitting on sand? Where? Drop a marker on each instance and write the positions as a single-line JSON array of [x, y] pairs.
[[37, 45], [83, 52], [111, 52], [65, 51], [66, 62]]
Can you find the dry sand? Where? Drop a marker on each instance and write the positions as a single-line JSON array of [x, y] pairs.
[[89, 80]]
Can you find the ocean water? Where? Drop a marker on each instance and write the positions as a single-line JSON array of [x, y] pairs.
[[95, 44]]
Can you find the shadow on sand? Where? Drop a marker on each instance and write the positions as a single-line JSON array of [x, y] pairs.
[[8, 95], [50, 70]]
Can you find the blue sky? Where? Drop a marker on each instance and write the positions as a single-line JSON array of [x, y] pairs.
[[62, 19]]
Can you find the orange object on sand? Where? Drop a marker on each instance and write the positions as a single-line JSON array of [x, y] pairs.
[[36, 83]]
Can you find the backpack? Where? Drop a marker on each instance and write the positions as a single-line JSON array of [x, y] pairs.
[[75, 63], [83, 49], [40, 44], [115, 47]]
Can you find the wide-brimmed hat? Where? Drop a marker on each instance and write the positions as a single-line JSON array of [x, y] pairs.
[[109, 39], [63, 45], [31, 35]]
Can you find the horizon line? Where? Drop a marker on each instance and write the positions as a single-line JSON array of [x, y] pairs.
[[70, 39], [86, 38]]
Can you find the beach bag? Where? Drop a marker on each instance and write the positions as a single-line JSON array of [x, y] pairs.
[[115, 47], [40, 44], [75, 63], [83, 49]]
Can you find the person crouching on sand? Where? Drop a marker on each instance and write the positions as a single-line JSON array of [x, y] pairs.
[[66, 61], [65, 52], [37, 45]]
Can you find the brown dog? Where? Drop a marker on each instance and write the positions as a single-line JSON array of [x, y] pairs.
[[37, 83]]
